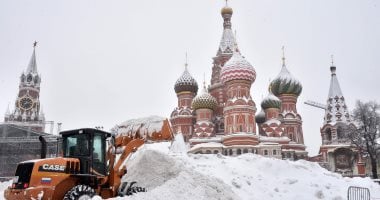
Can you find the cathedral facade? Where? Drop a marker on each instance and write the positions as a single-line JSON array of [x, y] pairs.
[[222, 117]]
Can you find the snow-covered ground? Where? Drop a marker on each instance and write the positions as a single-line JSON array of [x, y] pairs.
[[167, 175], [248, 176]]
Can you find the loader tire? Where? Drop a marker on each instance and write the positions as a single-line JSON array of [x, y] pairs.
[[80, 192]]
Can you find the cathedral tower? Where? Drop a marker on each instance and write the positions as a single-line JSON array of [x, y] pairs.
[[287, 89], [337, 152], [239, 111], [182, 118], [28, 112], [272, 127], [204, 106], [226, 48]]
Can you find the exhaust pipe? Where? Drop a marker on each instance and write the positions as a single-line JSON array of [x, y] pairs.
[[43, 146]]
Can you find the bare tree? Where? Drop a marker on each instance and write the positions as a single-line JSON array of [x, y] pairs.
[[365, 134]]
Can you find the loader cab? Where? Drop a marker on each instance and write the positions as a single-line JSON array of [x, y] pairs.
[[89, 146]]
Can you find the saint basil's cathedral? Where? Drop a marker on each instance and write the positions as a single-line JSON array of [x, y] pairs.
[[223, 118]]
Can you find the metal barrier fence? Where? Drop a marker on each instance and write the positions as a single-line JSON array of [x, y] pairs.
[[358, 193]]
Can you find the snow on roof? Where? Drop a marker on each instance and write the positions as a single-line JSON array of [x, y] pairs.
[[211, 139], [239, 134], [32, 66], [273, 139], [207, 145], [334, 86], [228, 42], [337, 110], [272, 121]]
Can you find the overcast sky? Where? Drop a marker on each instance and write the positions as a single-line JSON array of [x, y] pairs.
[[103, 62]]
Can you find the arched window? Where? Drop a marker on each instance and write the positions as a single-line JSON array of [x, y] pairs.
[[216, 151], [238, 151], [340, 132], [230, 151], [274, 152], [245, 151], [225, 152], [208, 151], [328, 134], [265, 152]]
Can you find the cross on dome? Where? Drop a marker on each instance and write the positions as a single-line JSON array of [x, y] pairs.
[[283, 55]]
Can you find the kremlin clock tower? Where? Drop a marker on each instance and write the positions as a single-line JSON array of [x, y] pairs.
[[28, 112]]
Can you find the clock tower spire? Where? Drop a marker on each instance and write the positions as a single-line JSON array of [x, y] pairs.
[[27, 105]]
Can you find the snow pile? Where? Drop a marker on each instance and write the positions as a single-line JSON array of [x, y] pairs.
[[248, 176], [166, 177], [145, 126], [178, 146]]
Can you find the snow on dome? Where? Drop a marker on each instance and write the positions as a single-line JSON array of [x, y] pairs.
[[271, 101], [238, 68], [204, 100], [186, 83], [260, 117], [285, 83]]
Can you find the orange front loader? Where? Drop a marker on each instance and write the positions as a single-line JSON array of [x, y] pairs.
[[86, 168]]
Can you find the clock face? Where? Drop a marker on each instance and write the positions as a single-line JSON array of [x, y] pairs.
[[26, 103]]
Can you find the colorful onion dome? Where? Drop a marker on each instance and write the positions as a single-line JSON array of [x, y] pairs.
[[186, 83], [238, 68], [204, 100], [271, 101], [285, 83], [226, 11], [260, 117]]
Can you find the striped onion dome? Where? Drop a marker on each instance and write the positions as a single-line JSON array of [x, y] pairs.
[[238, 68], [285, 83], [260, 117], [271, 101], [204, 100], [186, 83]]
